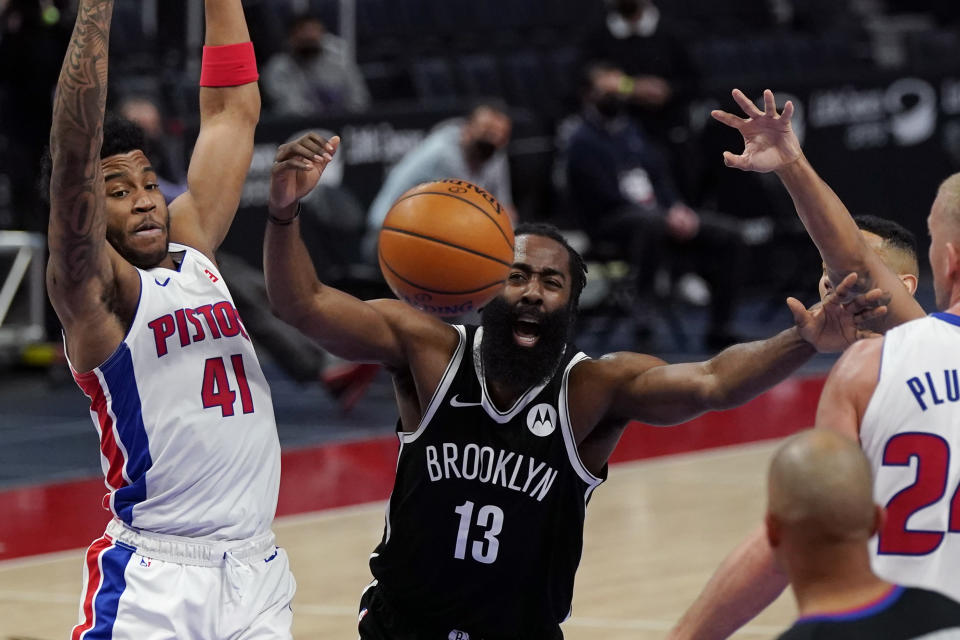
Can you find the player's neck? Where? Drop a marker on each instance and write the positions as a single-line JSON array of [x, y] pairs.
[[954, 307], [502, 395], [834, 580]]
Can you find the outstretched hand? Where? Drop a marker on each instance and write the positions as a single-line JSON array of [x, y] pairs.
[[831, 326], [298, 166], [768, 137]]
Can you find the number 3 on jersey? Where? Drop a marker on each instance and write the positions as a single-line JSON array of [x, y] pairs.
[[216, 391], [933, 460], [490, 518]]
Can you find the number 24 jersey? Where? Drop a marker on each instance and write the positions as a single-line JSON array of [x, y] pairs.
[[911, 433]]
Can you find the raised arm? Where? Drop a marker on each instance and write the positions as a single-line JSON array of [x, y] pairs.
[[387, 331], [229, 111], [80, 276], [771, 145]]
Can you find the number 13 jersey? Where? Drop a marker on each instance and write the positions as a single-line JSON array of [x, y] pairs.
[[188, 441], [484, 528], [910, 431]]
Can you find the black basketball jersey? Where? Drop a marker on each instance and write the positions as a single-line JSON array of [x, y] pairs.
[[484, 528], [903, 614]]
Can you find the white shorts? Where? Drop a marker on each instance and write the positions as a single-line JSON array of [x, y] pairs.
[[143, 586]]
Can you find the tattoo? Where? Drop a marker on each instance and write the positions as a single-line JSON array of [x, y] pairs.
[[77, 223]]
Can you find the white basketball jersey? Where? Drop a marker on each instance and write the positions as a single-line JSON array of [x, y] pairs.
[[188, 441], [911, 434]]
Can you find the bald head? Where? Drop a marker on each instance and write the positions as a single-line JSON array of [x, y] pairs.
[[820, 487], [949, 195], [944, 226]]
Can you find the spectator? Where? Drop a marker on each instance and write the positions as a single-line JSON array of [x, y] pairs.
[[315, 75], [165, 149], [659, 76], [623, 193], [472, 149]]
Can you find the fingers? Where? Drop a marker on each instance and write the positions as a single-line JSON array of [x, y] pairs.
[[728, 119], [769, 104], [800, 313], [875, 296], [868, 315], [293, 164], [310, 146], [787, 111], [735, 161], [844, 288], [746, 104]]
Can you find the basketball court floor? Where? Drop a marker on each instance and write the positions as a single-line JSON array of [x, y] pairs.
[[676, 502], [655, 532]]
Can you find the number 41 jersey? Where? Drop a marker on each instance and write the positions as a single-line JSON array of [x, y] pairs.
[[188, 441], [911, 433], [484, 528]]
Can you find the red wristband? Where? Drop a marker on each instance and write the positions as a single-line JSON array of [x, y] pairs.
[[229, 65]]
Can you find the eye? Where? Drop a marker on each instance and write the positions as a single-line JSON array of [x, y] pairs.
[[515, 276], [153, 186], [554, 284], [119, 193]]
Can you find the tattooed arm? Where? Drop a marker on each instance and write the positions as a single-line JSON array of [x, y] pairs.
[[81, 278]]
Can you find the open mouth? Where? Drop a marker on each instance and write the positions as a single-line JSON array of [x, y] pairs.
[[526, 331]]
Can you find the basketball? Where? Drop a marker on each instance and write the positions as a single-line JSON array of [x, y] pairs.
[[445, 247]]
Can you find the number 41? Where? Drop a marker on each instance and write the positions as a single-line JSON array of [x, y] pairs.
[[216, 391]]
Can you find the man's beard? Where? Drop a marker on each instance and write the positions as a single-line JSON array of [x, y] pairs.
[[507, 362]]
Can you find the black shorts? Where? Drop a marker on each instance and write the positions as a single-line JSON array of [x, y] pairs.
[[380, 621]]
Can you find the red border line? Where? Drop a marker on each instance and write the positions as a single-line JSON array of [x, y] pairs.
[[67, 515]]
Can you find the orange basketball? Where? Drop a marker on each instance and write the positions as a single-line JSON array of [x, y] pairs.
[[446, 246]]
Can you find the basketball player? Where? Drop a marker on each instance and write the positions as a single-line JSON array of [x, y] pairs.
[[897, 248], [771, 145], [188, 441], [505, 429], [747, 580], [820, 516]]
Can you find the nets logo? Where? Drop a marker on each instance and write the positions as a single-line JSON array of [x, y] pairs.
[[542, 420], [458, 635]]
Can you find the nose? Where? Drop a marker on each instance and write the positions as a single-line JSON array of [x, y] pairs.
[[144, 202], [532, 292]]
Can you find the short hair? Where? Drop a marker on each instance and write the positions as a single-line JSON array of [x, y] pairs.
[[949, 195], [893, 233], [497, 105], [299, 19], [119, 136], [578, 268]]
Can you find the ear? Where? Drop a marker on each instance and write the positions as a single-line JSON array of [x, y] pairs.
[[773, 530], [953, 260], [910, 281]]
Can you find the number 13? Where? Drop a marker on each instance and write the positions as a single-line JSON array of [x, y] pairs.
[[486, 513]]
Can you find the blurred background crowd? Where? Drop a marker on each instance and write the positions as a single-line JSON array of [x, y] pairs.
[[588, 114]]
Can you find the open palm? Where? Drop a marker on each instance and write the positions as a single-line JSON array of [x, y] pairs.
[[768, 138]]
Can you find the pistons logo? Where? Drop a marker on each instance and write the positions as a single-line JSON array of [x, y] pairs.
[[542, 420]]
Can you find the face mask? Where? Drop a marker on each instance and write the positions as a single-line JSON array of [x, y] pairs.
[[609, 105], [483, 150], [627, 8], [307, 50]]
